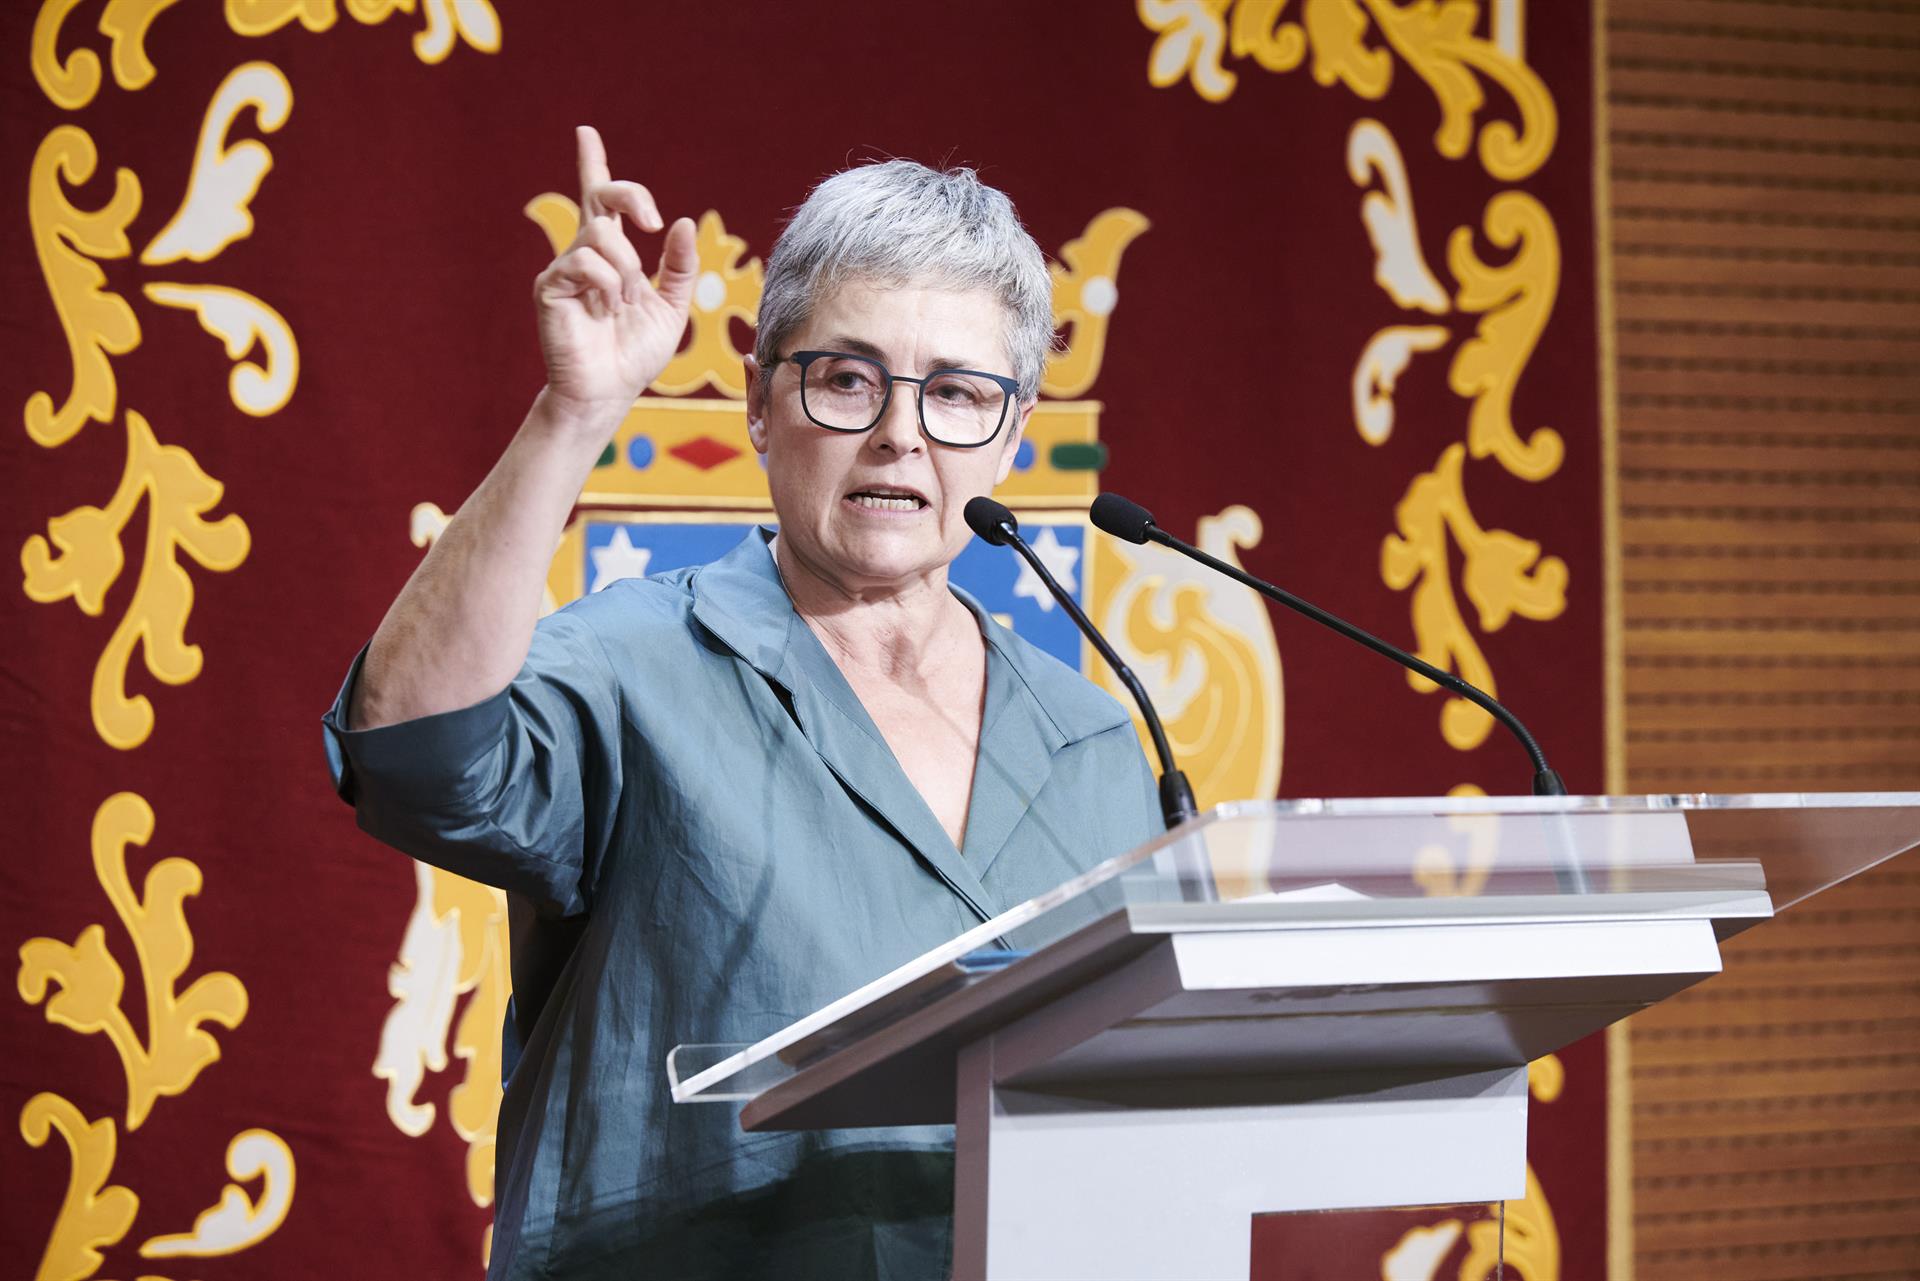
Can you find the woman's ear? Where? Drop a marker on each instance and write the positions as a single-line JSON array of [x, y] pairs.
[[756, 405], [1011, 449]]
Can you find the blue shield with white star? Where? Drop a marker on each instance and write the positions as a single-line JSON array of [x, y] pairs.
[[995, 576], [1009, 589]]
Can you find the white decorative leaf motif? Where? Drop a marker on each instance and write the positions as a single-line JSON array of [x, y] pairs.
[[239, 319], [224, 180]]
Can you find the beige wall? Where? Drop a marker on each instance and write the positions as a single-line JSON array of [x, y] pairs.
[[1763, 169]]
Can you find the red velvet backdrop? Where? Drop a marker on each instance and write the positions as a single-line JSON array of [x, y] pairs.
[[390, 236]]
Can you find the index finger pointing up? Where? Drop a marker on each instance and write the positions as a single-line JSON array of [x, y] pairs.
[[593, 167]]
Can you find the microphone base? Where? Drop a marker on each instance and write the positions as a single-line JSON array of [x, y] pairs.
[[1176, 799], [1190, 856]]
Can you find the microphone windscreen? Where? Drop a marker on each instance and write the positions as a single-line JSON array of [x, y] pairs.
[[1121, 517], [987, 519]]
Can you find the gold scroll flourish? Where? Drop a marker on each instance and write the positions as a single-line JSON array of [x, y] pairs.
[[1337, 30], [98, 322], [70, 84], [73, 83], [262, 17], [447, 21], [1502, 573], [1435, 38], [89, 558], [175, 1047], [1438, 43], [237, 1221], [1084, 296], [1258, 33], [1516, 299], [93, 1213]]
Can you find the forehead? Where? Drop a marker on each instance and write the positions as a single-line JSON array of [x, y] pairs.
[[913, 321]]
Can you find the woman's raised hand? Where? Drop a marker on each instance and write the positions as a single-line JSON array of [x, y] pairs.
[[606, 331]]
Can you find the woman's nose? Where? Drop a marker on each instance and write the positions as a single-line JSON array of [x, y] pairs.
[[899, 427]]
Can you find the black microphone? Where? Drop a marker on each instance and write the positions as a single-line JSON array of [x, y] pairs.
[[1126, 519], [995, 524]]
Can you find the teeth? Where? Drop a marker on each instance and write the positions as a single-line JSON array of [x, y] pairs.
[[877, 503]]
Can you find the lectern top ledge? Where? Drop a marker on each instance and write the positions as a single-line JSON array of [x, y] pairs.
[[1295, 1006], [1370, 864]]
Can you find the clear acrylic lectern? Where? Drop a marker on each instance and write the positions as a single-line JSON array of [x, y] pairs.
[[1287, 1006]]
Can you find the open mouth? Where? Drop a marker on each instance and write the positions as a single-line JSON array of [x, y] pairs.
[[887, 500]]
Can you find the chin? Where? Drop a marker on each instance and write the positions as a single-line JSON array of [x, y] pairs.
[[888, 560], [894, 569]]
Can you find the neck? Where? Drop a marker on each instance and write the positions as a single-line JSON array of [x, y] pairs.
[[896, 628]]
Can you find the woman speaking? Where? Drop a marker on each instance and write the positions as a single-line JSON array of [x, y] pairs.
[[723, 797]]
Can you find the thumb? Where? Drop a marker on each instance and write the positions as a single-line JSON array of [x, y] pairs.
[[679, 265]]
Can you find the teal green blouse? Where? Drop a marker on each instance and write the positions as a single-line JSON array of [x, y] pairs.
[[715, 840]]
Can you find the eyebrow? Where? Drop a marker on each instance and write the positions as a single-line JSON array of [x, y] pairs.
[[861, 347]]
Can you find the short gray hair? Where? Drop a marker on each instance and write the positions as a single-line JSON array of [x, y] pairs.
[[897, 222]]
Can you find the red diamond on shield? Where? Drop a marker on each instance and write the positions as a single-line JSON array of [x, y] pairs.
[[704, 452]]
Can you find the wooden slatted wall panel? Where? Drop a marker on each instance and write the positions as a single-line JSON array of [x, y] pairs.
[[1764, 177]]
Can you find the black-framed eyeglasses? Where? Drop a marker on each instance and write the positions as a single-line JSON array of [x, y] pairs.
[[963, 408]]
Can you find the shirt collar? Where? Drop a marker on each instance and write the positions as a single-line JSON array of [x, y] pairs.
[[741, 600], [1035, 706]]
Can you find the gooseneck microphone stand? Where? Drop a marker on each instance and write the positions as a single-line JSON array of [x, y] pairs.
[[996, 525], [1128, 520]]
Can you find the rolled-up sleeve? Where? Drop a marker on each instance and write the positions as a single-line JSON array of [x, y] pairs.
[[520, 791]]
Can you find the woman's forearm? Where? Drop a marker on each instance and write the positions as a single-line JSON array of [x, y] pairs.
[[461, 627]]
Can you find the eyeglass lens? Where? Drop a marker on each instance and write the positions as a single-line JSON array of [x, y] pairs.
[[848, 393]]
